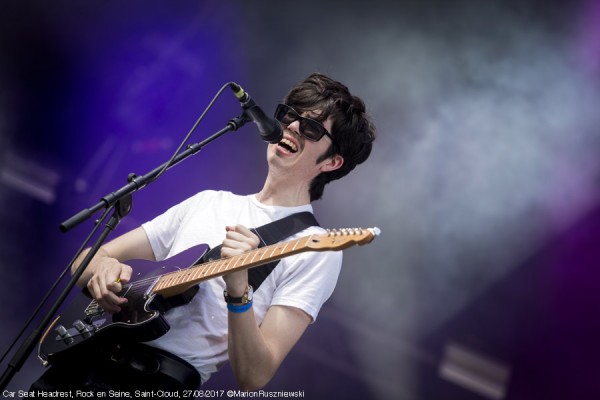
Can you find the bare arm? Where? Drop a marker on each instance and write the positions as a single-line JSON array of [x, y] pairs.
[[257, 352], [105, 273]]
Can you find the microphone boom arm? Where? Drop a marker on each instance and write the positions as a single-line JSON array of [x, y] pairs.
[[138, 182]]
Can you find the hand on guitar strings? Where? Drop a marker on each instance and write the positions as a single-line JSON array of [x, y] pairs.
[[107, 281]]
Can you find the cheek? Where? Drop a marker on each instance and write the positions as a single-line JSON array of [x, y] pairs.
[[324, 149]]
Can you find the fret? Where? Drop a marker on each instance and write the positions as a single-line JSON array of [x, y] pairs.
[[208, 268], [295, 244], [221, 265], [231, 263], [262, 253], [273, 251], [245, 260], [185, 276], [211, 268], [285, 245], [205, 268], [308, 239], [254, 254], [178, 277], [235, 261]]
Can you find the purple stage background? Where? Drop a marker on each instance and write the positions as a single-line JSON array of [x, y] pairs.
[[485, 178]]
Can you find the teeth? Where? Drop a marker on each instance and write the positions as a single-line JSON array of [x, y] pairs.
[[289, 144]]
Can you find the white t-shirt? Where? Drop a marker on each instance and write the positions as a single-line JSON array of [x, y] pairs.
[[198, 331]]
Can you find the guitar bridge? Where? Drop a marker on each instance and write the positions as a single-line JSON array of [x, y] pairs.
[[93, 310]]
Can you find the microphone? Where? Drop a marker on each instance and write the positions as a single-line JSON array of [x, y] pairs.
[[269, 129]]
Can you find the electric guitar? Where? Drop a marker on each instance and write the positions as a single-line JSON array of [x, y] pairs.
[[85, 323]]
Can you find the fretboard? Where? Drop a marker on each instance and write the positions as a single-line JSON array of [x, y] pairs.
[[178, 282]]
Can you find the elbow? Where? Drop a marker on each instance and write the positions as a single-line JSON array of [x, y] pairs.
[[249, 386], [253, 381]]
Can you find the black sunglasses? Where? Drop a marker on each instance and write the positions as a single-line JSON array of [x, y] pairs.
[[309, 128]]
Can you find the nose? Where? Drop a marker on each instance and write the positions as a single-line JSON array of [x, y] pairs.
[[295, 127]]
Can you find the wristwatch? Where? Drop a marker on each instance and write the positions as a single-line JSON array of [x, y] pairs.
[[245, 299]]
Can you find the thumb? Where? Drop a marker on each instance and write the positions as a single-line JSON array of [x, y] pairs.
[[125, 275]]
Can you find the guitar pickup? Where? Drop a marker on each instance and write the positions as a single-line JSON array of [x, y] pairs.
[[64, 334], [83, 329]]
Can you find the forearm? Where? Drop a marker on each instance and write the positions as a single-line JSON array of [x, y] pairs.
[[252, 361], [256, 352], [89, 271], [132, 245]]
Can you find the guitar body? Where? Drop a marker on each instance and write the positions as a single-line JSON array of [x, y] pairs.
[[84, 324]]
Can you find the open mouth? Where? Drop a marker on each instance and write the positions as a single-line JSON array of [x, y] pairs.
[[288, 145]]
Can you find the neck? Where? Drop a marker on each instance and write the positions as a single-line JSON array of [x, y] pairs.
[[283, 192]]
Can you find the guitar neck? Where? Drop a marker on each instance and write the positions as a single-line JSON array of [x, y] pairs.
[[178, 282]]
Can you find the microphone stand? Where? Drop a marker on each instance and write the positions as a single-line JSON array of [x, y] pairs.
[[120, 202]]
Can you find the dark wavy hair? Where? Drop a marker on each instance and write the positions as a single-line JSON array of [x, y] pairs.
[[352, 128]]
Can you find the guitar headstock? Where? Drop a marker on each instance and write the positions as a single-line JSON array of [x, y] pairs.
[[339, 239]]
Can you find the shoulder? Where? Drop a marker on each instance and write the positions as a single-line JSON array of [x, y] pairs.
[[213, 198], [212, 194]]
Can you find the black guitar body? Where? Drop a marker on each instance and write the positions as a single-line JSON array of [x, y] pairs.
[[84, 325]]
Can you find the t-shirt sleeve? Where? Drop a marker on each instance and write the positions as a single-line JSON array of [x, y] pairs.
[[162, 230], [308, 281]]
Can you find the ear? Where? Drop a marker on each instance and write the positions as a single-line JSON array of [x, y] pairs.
[[332, 163]]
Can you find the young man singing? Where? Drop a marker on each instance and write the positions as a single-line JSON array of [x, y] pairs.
[[326, 133]]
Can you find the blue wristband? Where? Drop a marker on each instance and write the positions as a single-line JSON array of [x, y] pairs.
[[239, 309]]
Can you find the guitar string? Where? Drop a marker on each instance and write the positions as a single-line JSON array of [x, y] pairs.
[[204, 268], [142, 285], [146, 282]]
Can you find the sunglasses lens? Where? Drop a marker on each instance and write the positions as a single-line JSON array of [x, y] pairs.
[[310, 129], [285, 114]]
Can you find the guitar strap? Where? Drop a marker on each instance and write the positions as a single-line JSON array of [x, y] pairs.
[[271, 233]]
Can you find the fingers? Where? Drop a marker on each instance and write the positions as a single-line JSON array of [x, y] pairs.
[[106, 283], [238, 240], [241, 232], [126, 272]]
